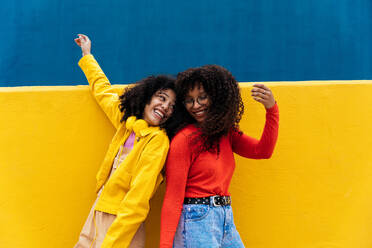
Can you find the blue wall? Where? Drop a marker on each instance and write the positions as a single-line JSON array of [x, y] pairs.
[[265, 40]]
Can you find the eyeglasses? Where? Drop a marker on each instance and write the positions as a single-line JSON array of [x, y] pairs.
[[202, 100]]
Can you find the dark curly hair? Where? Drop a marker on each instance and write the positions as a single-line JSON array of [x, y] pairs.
[[136, 97], [226, 106]]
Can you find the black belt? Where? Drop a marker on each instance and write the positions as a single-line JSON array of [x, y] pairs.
[[215, 200]]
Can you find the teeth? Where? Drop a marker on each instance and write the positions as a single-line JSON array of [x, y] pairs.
[[159, 114], [199, 112]]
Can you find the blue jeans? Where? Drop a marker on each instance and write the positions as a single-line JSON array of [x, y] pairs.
[[206, 226]]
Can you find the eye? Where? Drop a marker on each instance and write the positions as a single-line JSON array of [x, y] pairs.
[[188, 101], [203, 97], [162, 98]]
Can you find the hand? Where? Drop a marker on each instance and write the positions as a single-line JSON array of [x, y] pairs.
[[263, 94], [83, 42]]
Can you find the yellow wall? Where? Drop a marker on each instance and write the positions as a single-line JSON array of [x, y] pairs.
[[315, 192]]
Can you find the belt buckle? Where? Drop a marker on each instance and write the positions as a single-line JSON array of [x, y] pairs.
[[213, 198], [227, 200]]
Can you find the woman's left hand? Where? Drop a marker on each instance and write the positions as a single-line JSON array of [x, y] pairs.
[[261, 93]]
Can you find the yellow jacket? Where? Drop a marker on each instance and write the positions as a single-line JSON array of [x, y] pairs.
[[128, 191]]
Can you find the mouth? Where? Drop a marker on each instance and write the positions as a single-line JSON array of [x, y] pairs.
[[200, 113], [159, 114]]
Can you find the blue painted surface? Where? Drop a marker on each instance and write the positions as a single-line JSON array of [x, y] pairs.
[[266, 40]]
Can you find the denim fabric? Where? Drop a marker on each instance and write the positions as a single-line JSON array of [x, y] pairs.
[[206, 226]]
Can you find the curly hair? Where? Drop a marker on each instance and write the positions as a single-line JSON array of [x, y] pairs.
[[136, 97], [226, 106]]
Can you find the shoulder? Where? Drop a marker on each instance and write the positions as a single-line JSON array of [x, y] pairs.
[[235, 131], [159, 136], [184, 134], [234, 134]]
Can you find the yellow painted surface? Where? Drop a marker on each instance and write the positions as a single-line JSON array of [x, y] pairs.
[[315, 192]]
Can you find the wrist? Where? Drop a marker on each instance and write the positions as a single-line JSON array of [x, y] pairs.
[[271, 108], [270, 104]]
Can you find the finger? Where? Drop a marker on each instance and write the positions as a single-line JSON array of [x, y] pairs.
[[268, 93], [265, 102], [82, 40], [266, 88], [258, 99], [256, 89], [262, 95], [261, 86], [77, 40], [86, 38], [80, 37], [258, 85]]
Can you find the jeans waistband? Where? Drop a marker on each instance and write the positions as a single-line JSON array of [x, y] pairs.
[[215, 200]]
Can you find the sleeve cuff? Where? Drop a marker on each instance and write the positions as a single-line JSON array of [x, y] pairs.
[[84, 59], [273, 109]]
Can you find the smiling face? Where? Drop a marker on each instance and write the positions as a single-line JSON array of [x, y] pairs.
[[160, 107], [197, 103]]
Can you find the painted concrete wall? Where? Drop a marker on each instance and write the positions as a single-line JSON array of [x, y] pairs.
[[314, 192], [256, 40]]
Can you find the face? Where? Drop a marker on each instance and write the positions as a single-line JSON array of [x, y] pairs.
[[160, 107], [197, 103]]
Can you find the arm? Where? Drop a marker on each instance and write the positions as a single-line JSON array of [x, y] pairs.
[[263, 148], [135, 206], [177, 168], [252, 148], [100, 86]]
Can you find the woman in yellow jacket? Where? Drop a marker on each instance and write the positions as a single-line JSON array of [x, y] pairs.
[[130, 172]]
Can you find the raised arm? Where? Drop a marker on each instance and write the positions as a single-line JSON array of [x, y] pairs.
[[263, 148], [106, 96]]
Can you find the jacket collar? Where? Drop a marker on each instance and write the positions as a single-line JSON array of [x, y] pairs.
[[139, 126]]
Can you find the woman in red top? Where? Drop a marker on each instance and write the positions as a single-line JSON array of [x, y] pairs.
[[196, 209]]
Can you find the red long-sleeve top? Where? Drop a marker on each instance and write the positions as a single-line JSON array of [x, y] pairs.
[[209, 174]]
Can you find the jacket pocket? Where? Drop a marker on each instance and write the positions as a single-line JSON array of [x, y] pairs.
[[118, 184]]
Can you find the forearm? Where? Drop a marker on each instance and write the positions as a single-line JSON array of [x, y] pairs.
[[96, 78], [105, 95], [125, 226], [263, 148], [176, 179], [170, 215]]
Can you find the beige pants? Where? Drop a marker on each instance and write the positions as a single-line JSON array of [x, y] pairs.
[[88, 237]]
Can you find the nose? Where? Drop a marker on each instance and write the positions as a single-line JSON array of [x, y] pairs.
[[166, 106], [196, 104]]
